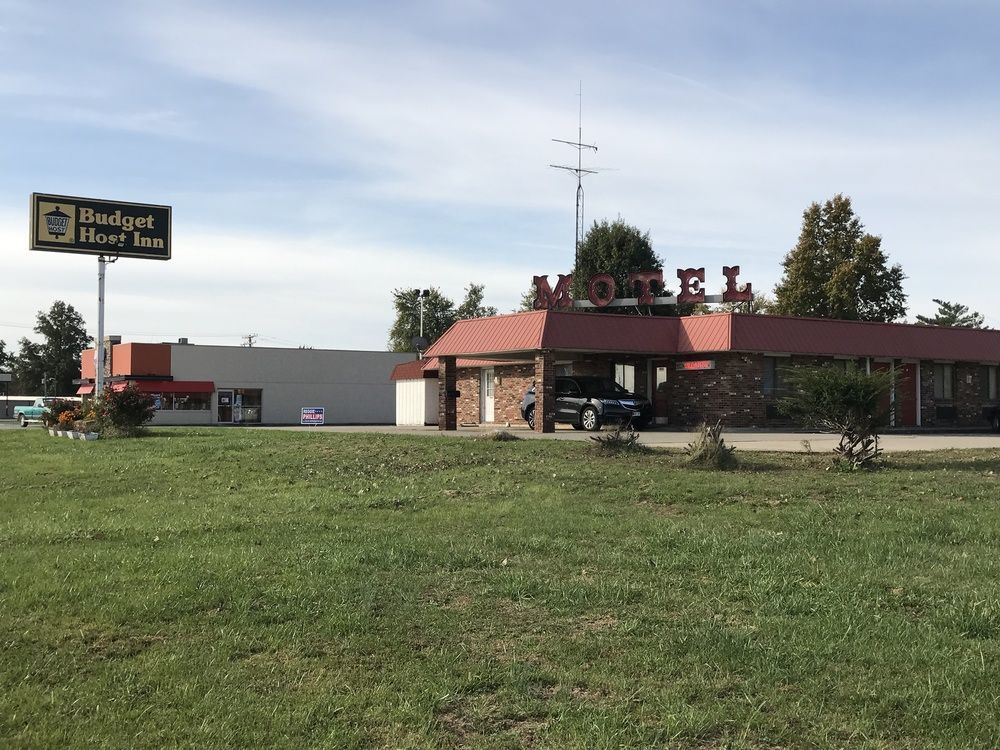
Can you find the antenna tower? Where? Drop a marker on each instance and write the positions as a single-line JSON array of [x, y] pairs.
[[579, 171]]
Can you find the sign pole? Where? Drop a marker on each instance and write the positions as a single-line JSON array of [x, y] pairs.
[[99, 349]]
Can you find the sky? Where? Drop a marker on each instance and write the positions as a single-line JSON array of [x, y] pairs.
[[318, 155]]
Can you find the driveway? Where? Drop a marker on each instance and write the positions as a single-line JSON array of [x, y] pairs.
[[755, 440]]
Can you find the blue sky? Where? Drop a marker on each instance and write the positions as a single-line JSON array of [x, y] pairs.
[[318, 155]]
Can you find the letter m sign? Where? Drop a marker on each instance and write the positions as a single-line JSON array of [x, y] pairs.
[[546, 299]]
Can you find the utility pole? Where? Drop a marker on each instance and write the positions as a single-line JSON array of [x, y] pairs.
[[249, 339], [579, 171]]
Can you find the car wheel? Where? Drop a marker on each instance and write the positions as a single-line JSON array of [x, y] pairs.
[[996, 422], [529, 417], [22, 420], [640, 424], [589, 419]]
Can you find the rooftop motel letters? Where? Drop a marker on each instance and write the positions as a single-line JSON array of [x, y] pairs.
[[601, 290]]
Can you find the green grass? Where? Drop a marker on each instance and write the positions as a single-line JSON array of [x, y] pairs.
[[236, 588]]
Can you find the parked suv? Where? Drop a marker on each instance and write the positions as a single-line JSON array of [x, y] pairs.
[[588, 402]]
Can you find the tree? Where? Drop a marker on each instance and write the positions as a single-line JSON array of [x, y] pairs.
[[952, 315], [837, 270], [618, 249], [6, 358], [439, 314], [472, 305], [847, 401], [29, 369], [54, 364]]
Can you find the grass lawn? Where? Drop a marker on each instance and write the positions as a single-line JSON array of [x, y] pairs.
[[248, 588]]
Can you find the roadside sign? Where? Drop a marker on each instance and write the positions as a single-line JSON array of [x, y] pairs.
[[6, 377], [90, 226], [315, 415]]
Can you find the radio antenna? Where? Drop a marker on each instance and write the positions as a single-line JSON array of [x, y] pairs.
[[579, 171]]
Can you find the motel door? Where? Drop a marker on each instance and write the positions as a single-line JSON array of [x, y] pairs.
[[225, 407], [906, 395], [660, 392], [486, 395]]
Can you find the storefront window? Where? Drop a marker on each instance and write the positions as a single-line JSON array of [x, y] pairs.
[[247, 405], [192, 401], [943, 387]]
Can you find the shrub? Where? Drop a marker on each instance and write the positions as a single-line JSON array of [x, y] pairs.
[[123, 413], [54, 411], [848, 402], [710, 450], [623, 439]]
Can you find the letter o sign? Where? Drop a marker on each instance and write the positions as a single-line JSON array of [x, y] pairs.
[[594, 287]]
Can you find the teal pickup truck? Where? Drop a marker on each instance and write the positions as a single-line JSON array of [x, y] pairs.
[[33, 413]]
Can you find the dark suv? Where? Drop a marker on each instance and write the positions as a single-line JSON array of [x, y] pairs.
[[588, 402]]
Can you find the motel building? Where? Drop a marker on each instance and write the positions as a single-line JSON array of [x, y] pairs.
[[234, 385], [726, 366]]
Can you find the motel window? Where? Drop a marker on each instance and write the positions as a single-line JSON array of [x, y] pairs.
[[773, 382], [625, 376], [988, 383], [943, 382]]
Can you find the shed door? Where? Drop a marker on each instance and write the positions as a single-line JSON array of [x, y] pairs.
[[486, 395]]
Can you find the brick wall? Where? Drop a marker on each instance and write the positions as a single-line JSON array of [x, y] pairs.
[[733, 391], [507, 394], [968, 402]]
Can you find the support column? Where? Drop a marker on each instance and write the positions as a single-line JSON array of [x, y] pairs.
[[447, 394], [545, 388]]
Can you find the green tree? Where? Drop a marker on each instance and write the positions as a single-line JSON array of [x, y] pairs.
[[847, 401], [472, 306], [52, 365], [6, 358], [952, 315], [837, 270], [439, 314], [28, 369], [614, 248]]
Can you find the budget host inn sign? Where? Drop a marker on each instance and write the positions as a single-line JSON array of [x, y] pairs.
[[64, 224]]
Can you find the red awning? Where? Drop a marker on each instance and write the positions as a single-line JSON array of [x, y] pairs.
[[169, 386], [83, 390]]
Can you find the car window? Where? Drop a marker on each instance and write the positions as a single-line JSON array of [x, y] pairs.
[[595, 386], [565, 387]]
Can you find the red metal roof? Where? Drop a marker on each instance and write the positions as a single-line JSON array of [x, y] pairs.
[[520, 332], [718, 332], [705, 333], [550, 329], [413, 370], [774, 333], [428, 367]]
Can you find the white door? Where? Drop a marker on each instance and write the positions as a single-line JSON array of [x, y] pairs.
[[486, 395]]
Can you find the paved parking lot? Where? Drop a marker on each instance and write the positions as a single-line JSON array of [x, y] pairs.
[[758, 440]]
